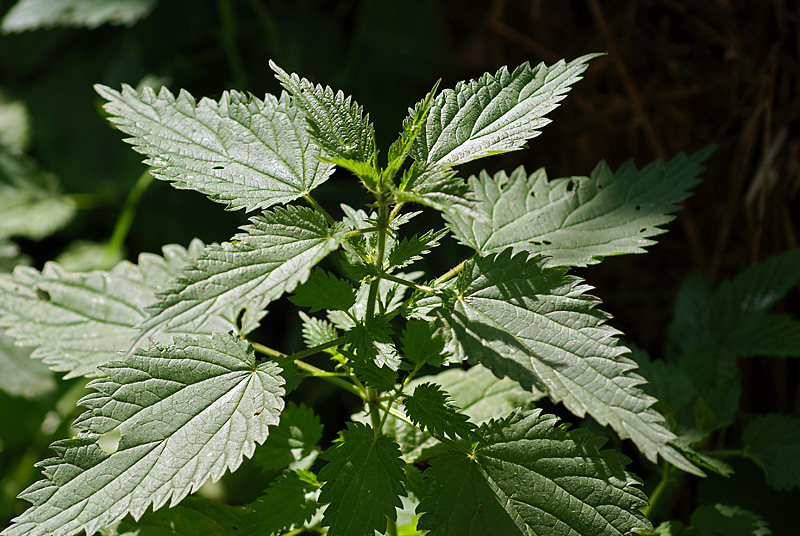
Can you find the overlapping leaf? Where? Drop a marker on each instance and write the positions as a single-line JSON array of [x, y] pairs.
[[336, 122], [181, 414], [194, 516], [363, 482], [431, 408], [324, 290], [717, 520], [577, 220], [293, 441], [289, 502], [493, 114], [78, 321], [241, 151], [274, 255], [21, 375], [33, 14], [529, 477], [539, 327]]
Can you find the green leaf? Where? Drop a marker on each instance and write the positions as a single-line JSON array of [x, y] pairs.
[[241, 151], [689, 326], [336, 122], [576, 220], [493, 114], [15, 129], [21, 375], [363, 482], [192, 517], [410, 250], [724, 520], [317, 331], [294, 440], [324, 290], [226, 403], [532, 477], [773, 441], [760, 286], [33, 14], [77, 322], [759, 334], [372, 341], [273, 256], [432, 410], [10, 256], [422, 343], [539, 327], [30, 202], [289, 502], [666, 381], [437, 187]]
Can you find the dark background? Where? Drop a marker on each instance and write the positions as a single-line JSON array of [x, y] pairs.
[[678, 76]]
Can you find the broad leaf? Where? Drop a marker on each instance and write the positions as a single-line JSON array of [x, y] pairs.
[[437, 187], [336, 122], [33, 14], [30, 202], [76, 322], [760, 286], [21, 375], [493, 114], [289, 502], [532, 477], [421, 343], [717, 520], [241, 151], [363, 482], [273, 256], [156, 454], [539, 327], [689, 326], [577, 220], [432, 410], [293, 441], [324, 290], [372, 341], [773, 441]]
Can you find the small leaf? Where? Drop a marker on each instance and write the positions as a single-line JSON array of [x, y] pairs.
[[538, 326], [31, 205], [410, 250], [412, 126], [760, 286], [241, 151], [274, 255], [372, 341], [431, 409], [530, 476], [773, 441], [289, 502], [439, 188], [421, 343], [317, 331], [493, 114], [337, 123], [295, 438], [77, 322], [324, 290], [28, 15], [576, 220], [363, 482], [724, 520], [227, 402]]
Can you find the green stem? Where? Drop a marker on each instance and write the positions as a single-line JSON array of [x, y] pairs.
[[401, 281], [450, 274], [335, 380], [374, 285], [666, 478], [374, 411], [726, 453], [125, 219], [316, 206]]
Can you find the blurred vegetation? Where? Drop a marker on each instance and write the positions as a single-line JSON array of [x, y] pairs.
[[678, 76]]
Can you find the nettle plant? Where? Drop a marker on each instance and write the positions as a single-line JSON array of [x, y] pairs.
[[461, 452]]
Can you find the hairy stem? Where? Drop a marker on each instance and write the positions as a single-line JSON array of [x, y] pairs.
[[316, 206], [663, 484], [401, 281], [450, 273]]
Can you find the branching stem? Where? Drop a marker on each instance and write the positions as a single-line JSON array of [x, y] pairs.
[[316, 206], [401, 281]]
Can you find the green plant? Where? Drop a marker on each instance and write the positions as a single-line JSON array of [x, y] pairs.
[[190, 398]]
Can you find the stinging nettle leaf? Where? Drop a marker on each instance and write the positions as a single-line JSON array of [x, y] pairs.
[[531, 477], [273, 256], [324, 290], [289, 502], [184, 413], [773, 441], [317, 331], [363, 482], [76, 322], [21, 375], [576, 221], [410, 250], [293, 440], [538, 326], [493, 114], [28, 15], [335, 121], [241, 151], [431, 408]]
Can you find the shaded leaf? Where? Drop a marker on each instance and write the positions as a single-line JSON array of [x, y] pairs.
[[324, 290], [773, 441], [192, 517], [289, 502], [21, 375], [317, 331], [431, 408], [294, 439], [32, 14]]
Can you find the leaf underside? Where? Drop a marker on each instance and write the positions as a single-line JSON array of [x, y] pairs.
[[531, 477], [242, 151], [21, 375], [576, 221], [182, 414], [273, 256], [79, 321], [32, 14], [538, 326]]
